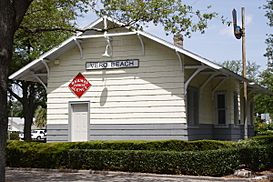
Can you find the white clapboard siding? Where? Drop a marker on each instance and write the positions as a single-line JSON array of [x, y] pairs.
[[135, 98], [145, 61], [123, 86], [123, 121], [167, 86], [176, 103], [123, 115], [123, 93], [56, 121], [143, 75], [125, 90], [145, 69], [108, 110], [115, 108], [152, 93]]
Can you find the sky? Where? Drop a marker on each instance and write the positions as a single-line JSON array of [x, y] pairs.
[[218, 43]]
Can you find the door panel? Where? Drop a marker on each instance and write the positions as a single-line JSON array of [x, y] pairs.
[[79, 122]]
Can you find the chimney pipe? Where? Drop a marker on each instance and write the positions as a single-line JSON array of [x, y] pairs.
[[178, 40]]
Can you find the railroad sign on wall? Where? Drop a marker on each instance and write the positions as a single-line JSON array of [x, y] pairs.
[[128, 63], [79, 85]]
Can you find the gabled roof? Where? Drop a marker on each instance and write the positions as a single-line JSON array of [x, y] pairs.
[[39, 64]]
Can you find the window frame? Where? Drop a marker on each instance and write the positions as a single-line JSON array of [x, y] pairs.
[[236, 111], [195, 104], [217, 109]]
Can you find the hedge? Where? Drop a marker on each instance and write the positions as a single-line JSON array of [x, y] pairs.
[[213, 162], [166, 145], [208, 162]]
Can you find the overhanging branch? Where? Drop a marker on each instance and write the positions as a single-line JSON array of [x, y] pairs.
[[15, 95], [72, 29]]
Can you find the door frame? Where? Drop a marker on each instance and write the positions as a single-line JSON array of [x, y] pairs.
[[70, 103]]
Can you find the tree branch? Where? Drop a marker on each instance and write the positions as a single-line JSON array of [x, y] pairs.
[[44, 29], [73, 30], [15, 95], [20, 8]]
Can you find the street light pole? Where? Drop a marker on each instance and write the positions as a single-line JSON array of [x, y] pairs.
[[244, 73], [241, 33]]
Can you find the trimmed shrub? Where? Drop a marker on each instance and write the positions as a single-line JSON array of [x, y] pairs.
[[140, 156], [214, 163], [34, 154], [208, 162], [166, 145], [262, 140], [14, 135]]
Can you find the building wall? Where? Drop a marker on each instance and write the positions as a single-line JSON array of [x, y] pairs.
[[208, 128], [134, 103]]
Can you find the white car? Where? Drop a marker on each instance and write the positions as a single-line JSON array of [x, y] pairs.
[[38, 134], [35, 135]]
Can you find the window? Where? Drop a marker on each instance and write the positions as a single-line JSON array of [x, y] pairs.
[[251, 112], [235, 108], [221, 108], [192, 106]]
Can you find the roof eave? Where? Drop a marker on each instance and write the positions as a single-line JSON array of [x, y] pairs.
[[19, 73]]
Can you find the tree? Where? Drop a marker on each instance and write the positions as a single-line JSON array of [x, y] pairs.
[[175, 16], [15, 108], [30, 41], [269, 41], [252, 69], [264, 103], [12, 14]]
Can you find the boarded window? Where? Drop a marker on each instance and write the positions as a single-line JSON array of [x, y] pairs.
[[221, 108], [235, 108], [251, 112], [192, 106]]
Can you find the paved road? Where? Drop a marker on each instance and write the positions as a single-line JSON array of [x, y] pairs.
[[25, 175]]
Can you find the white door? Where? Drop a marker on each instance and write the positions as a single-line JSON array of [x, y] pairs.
[[79, 122]]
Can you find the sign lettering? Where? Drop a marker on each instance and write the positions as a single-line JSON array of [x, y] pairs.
[[128, 63], [79, 85]]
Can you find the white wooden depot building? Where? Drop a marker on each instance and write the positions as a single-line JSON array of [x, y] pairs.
[[130, 85]]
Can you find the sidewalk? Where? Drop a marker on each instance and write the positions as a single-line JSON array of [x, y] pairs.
[[42, 175]]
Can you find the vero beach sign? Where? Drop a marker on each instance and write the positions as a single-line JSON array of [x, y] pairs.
[[128, 63]]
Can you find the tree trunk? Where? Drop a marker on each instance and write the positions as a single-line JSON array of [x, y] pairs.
[[3, 117], [28, 116], [7, 29], [11, 15], [28, 107]]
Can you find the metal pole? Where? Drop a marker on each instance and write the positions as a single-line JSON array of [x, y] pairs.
[[244, 74]]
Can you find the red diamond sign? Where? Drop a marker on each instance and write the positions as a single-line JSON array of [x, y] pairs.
[[79, 85]]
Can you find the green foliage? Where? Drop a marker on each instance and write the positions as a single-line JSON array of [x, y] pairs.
[[168, 145], [214, 163], [255, 153], [252, 69], [269, 41], [46, 24], [264, 102], [211, 162], [174, 15], [262, 128], [14, 135], [262, 140], [40, 117], [15, 109]]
